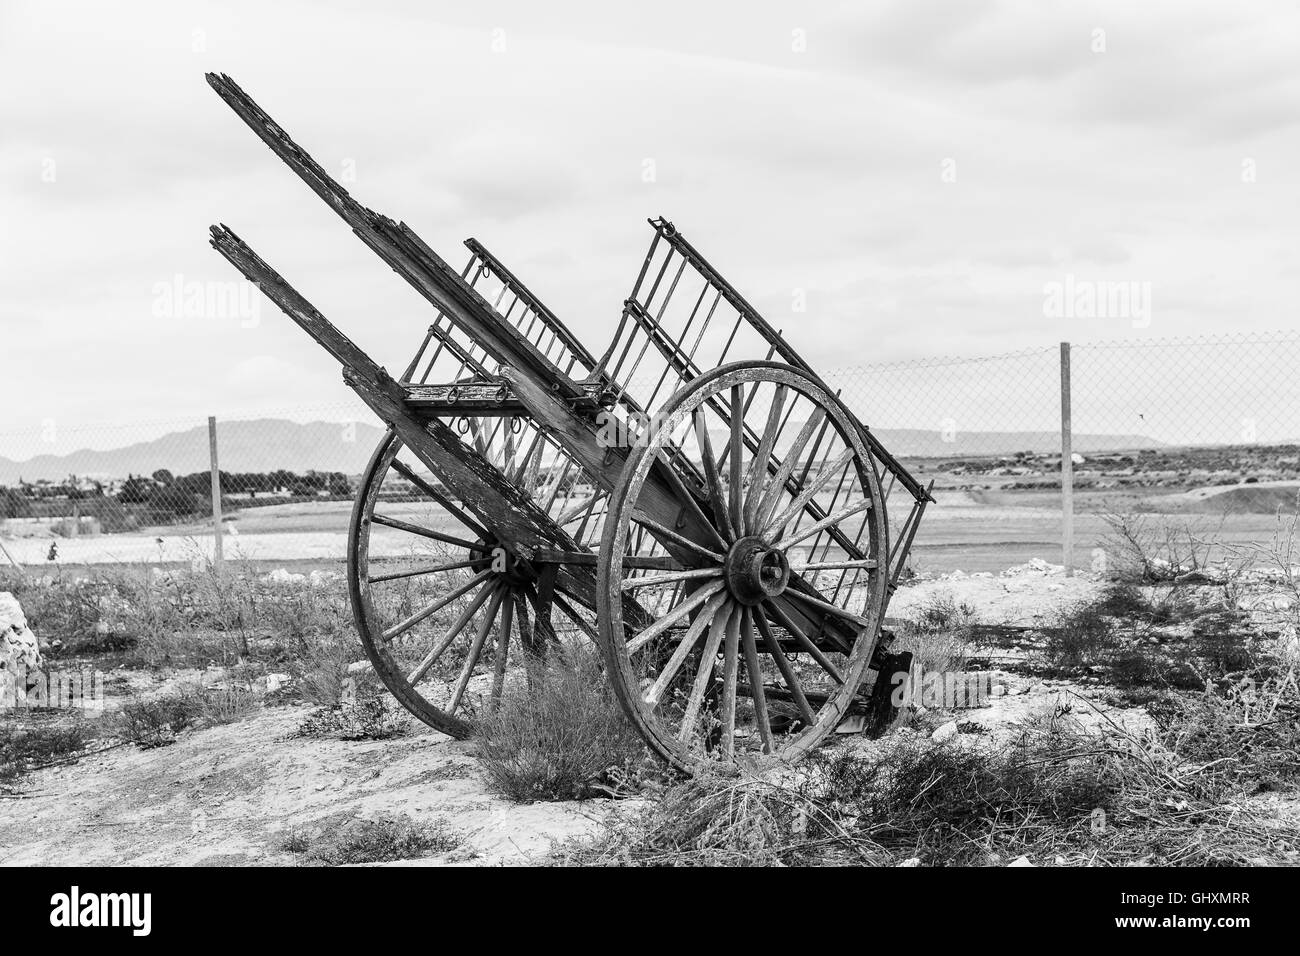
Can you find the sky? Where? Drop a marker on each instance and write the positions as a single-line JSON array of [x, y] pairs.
[[920, 175]]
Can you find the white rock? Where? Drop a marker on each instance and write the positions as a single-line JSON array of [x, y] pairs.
[[19, 648], [1021, 861], [281, 576], [945, 732]]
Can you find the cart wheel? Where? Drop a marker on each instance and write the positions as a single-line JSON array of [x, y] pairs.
[[434, 597], [757, 648]]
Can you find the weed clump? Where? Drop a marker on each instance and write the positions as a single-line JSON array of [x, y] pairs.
[[558, 733]]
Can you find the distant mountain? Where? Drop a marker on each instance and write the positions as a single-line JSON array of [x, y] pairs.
[[263, 444], [268, 444]]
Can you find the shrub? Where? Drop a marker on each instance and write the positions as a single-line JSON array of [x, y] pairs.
[[374, 841], [558, 733], [940, 635], [24, 748], [155, 721], [1080, 636], [368, 716]]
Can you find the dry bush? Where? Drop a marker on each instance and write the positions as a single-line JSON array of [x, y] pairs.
[[24, 748], [364, 712], [1060, 793], [155, 721], [1153, 548], [558, 732], [939, 637], [373, 841], [1080, 636]]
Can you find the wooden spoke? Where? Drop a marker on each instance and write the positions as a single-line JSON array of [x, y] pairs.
[[652, 580], [755, 678], [476, 649], [804, 643], [579, 509], [435, 569], [661, 532], [672, 617], [503, 649], [828, 607], [717, 628], [810, 491], [686, 497], [684, 648], [403, 626], [730, 669], [711, 473], [772, 496], [440, 648], [526, 633], [736, 446], [575, 617], [857, 563], [762, 456], [783, 665], [827, 522], [422, 532], [444, 500]]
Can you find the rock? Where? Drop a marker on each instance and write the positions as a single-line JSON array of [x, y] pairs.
[[945, 732], [1021, 861], [281, 576], [19, 649], [275, 681]]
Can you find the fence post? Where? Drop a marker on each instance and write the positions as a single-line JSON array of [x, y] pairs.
[[1067, 466], [217, 556]]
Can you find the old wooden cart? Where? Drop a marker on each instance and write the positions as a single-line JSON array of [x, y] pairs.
[[694, 497]]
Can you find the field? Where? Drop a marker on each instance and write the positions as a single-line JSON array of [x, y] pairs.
[[1120, 691]]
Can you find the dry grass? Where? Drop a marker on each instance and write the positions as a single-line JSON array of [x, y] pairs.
[[25, 747], [155, 721], [940, 635], [1060, 794], [372, 841], [558, 733]]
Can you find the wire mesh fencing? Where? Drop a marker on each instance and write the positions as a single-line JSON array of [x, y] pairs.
[[1199, 434]]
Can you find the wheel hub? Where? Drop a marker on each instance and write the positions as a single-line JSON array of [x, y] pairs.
[[755, 571]]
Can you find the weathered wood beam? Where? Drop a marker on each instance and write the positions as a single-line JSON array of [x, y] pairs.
[[501, 506], [401, 248]]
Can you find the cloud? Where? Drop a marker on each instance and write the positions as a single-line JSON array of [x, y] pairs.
[[822, 168]]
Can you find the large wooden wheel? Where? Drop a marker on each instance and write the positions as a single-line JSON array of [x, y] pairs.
[[438, 603], [760, 636]]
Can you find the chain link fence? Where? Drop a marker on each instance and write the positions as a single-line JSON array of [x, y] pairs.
[[1200, 432]]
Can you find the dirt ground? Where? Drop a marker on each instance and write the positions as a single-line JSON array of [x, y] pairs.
[[233, 794], [212, 799]]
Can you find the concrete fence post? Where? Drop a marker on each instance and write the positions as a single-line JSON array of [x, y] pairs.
[[1067, 466], [217, 555]]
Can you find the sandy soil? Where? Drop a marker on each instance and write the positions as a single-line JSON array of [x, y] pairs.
[[212, 799]]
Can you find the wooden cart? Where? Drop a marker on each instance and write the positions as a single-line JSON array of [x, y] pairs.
[[694, 497]]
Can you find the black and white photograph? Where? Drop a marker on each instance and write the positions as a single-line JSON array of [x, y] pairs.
[[586, 435]]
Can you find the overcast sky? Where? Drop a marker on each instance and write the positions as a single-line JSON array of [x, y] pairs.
[[921, 170]]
